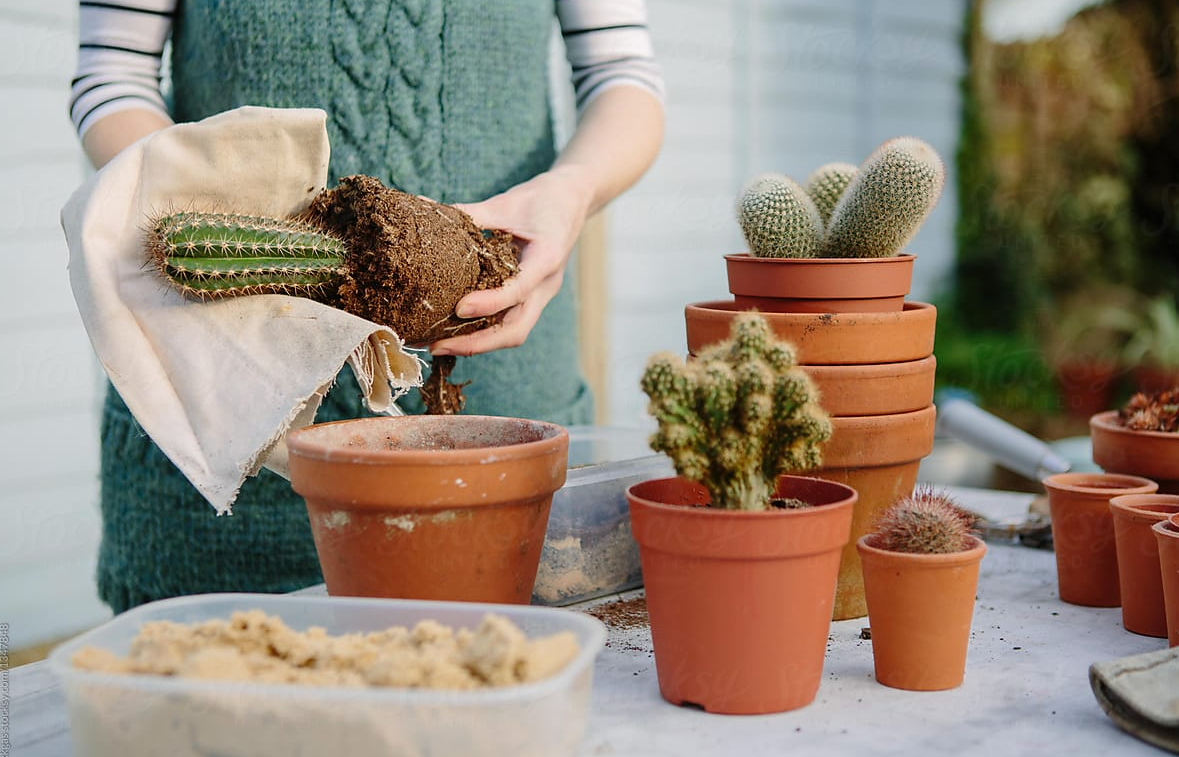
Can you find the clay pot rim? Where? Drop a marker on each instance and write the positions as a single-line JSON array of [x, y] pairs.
[[707, 511], [901, 259], [308, 442], [1108, 422], [919, 414], [975, 552], [872, 370], [1139, 506], [1065, 482], [911, 309], [1168, 526]]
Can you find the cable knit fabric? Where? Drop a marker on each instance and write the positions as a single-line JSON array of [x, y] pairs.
[[445, 99]]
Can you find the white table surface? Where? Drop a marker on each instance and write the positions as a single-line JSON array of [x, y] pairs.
[[1026, 689]]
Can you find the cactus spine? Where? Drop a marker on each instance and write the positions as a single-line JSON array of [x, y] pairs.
[[208, 255], [886, 202], [738, 416], [924, 522], [826, 185], [778, 218]]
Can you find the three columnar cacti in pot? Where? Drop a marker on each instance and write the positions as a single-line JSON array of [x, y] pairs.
[[921, 566], [739, 556], [844, 232]]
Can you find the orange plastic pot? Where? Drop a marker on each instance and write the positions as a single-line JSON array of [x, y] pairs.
[[1139, 577], [1151, 454], [920, 608], [878, 456], [819, 285], [740, 602], [1083, 533], [827, 338], [429, 507], [1166, 532]]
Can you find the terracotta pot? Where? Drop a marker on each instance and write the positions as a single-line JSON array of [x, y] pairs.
[[828, 339], [1166, 532], [876, 389], [1083, 533], [819, 285], [1139, 578], [740, 602], [920, 608], [1086, 387], [1151, 454], [429, 507], [878, 456]]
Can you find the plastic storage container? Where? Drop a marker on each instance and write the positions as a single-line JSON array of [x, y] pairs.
[[123, 715], [588, 549]]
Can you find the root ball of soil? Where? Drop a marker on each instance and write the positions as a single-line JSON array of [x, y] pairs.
[[411, 260]]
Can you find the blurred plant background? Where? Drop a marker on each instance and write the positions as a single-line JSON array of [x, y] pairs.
[[1068, 190]]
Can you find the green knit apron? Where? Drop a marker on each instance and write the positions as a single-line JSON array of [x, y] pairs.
[[445, 99]]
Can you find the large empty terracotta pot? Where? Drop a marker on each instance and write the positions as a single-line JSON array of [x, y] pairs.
[[429, 507], [828, 338], [1152, 454]]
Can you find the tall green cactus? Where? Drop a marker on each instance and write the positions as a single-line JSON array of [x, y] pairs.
[[737, 416], [886, 202], [209, 255], [778, 218], [826, 185]]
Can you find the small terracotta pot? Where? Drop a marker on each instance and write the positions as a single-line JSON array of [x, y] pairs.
[[1166, 532], [819, 285], [828, 338], [920, 608], [878, 389], [429, 507], [1083, 533], [1139, 578], [740, 602], [1151, 454], [878, 456]]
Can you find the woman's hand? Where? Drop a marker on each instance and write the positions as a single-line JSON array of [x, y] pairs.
[[545, 215]]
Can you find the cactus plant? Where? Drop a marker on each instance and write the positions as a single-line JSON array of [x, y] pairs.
[[924, 522], [778, 218], [737, 416], [826, 185], [887, 201], [870, 211], [387, 256]]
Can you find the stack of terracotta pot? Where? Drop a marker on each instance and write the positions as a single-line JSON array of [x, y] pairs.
[[870, 354]]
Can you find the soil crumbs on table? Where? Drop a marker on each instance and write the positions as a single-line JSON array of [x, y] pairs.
[[623, 615]]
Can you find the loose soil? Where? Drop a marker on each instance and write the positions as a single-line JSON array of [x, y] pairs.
[[624, 614]]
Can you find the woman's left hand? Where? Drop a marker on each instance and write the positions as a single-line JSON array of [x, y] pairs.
[[545, 215]]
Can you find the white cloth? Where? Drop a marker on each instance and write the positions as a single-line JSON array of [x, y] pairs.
[[218, 384]]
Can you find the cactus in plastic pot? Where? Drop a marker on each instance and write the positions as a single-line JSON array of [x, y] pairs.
[[738, 416]]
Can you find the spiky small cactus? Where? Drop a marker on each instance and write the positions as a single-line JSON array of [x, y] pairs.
[[737, 416], [924, 522], [886, 202], [826, 185], [778, 218], [208, 255]]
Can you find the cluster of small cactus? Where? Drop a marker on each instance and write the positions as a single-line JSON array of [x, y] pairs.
[[924, 522], [737, 416], [844, 211], [1152, 411], [208, 255]]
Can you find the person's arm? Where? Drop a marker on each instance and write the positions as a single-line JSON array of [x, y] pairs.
[[115, 96], [617, 138]]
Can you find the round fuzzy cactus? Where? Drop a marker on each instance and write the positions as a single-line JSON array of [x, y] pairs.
[[737, 416], [778, 218], [826, 185], [886, 202], [925, 522]]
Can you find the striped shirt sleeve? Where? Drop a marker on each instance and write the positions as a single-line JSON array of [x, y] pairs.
[[608, 43], [120, 53]]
